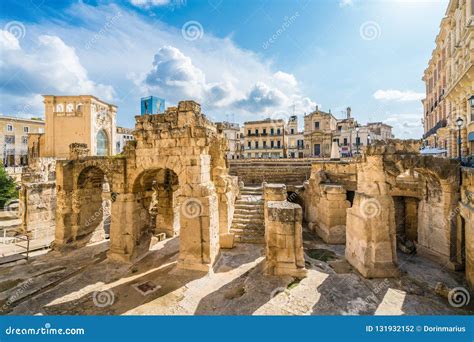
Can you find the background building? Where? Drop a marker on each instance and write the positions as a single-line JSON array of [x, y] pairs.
[[123, 135], [14, 139], [152, 105], [449, 82], [265, 139], [295, 139], [77, 119], [232, 133], [318, 133]]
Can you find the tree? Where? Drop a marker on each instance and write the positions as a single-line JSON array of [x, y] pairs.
[[8, 190]]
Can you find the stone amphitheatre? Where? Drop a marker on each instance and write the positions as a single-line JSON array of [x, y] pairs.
[[170, 227]]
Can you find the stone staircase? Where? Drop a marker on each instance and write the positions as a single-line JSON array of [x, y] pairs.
[[248, 222]]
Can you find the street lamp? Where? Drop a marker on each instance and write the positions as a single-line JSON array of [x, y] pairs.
[[459, 122], [369, 138], [357, 139]]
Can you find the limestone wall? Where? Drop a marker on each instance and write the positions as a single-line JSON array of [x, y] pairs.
[[283, 233], [466, 223], [38, 198], [288, 171]]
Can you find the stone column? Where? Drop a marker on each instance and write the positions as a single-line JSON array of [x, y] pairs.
[[128, 238], [283, 233], [199, 238], [65, 219], [371, 228], [331, 223]]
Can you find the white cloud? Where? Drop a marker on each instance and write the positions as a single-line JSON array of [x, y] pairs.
[[149, 3], [226, 79], [51, 68], [405, 125], [346, 3], [286, 79], [398, 95]]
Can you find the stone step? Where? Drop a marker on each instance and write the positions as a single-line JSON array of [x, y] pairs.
[[250, 239], [248, 231], [247, 220], [248, 215]]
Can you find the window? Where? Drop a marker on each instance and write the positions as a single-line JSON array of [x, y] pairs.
[[59, 108], [339, 128], [256, 144], [9, 139], [278, 131], [69, 108], [358, 141], [26, 129], [272, 144], [102, 143], [264, 131], [292, 131], [40, 130], [345, 141], [249, 132], [9, 128], [278, 143], [256, 131], [249, 144], [24, 140], [272, 131], [316, 125]]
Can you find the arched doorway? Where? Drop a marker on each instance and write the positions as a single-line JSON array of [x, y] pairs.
[[102, 143], [92, 204], [157, 191]]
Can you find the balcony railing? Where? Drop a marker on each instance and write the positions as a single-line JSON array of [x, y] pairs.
[[433, 130]]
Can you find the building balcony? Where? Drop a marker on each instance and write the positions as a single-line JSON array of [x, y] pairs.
[[433, 130]]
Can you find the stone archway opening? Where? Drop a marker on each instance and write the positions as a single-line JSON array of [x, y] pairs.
[[157, 191], [406, 221], [93, 206]]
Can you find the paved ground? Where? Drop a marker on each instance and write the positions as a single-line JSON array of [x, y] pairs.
[[85, 283]]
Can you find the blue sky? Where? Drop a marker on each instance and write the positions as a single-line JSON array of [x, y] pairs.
[[241, 60]]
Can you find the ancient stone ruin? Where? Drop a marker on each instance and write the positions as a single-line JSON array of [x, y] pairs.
[[174, 180]]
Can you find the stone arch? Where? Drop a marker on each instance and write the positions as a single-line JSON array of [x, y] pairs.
[[84, 210], [371, 224]]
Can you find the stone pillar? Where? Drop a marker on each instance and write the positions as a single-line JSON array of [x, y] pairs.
[[227, 189], [370, 223], [65, 219], [128, 237], [283, 233], [199, 221], [331, 223], [371, 236]]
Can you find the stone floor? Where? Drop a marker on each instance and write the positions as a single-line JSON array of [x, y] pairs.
[[84, 282]]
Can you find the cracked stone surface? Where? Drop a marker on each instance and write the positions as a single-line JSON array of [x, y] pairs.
[[85, 282]]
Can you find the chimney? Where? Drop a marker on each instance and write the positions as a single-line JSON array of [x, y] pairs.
[[348, 112]]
